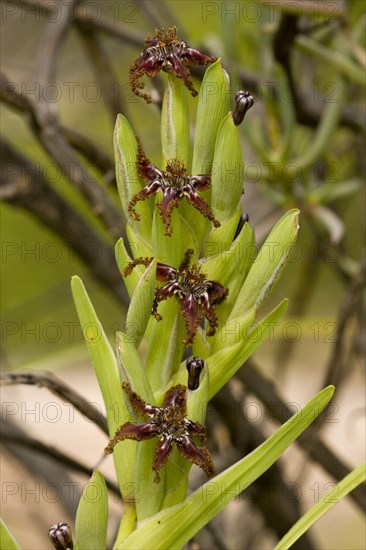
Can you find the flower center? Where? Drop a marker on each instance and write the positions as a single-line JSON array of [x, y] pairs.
[[192, 281], [176, 174], [167, 36], [171, 422]]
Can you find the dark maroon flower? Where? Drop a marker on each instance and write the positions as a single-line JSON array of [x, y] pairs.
[[165, 52], [196, 295], [175, 184], [243, 102], [169, 424]]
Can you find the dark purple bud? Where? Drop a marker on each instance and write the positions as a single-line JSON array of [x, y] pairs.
[[60, 536], [194, 367], [243, 102]]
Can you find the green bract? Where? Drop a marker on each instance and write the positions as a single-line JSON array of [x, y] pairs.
[[128, 180], [268, 265], [227, 170], [106, 369], [92, 515], [7, 540], [175, 122]]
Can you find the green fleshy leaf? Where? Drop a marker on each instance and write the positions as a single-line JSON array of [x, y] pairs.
[[132, 369], [232, 332], [123, 259], [138, 246], [232, 263], [92, 515], [348, 483], [7, 541], [139, 311], [128, 181], [221, 238], [268, 265], [225, 362], [148, 495], [227, 171], [127, 523], [244, 262], [175, 122], [213, 106], [174, 527], [171, 250], [106, 369], [165, 348]]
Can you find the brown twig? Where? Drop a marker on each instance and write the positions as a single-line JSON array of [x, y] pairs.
[[11, 438], [57, 387], [23, 185], [267, 491], [337, 362], [46, 127], [309, 440], [90, 18], [11, 97], [103, 70], [93, 153]]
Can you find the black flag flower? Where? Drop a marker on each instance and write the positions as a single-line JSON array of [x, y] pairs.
[[197, 296], [175, 184], [165, 52], [169, 424]]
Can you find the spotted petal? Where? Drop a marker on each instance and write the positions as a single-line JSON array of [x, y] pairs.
[[162, 452], [176, 396], [138, 403], [137, 432], [195, 57], [188, 306], [198, 455]]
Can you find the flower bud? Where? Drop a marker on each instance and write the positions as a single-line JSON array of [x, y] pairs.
[[60, 536], [243, 102], [194, 366]]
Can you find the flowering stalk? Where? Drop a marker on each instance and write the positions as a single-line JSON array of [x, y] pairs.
[[192, 277]]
